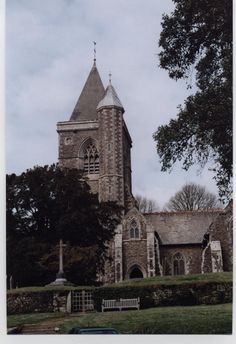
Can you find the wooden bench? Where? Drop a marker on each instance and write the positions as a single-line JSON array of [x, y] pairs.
[[120, 304]]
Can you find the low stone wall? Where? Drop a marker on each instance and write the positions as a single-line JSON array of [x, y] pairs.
[[32, 302]]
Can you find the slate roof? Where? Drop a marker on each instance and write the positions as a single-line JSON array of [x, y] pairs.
[[110, 98], [175, 228], [92, 93]]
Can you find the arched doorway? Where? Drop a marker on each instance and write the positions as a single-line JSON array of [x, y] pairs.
[[136, 273]]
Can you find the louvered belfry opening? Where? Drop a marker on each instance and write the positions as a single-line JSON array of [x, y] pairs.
[[91, 159]]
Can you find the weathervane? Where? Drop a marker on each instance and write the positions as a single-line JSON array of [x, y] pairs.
[[94, 51], [110, 77]]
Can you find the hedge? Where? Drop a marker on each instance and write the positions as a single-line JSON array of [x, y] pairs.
[[171, 295]]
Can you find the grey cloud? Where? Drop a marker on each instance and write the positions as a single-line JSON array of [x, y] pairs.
[[49, 55]]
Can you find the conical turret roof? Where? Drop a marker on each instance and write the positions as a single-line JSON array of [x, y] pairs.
[[92, 93], [110, 98]]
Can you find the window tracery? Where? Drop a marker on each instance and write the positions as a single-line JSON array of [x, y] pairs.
[[91, 159], [178, 264], [134, 230]]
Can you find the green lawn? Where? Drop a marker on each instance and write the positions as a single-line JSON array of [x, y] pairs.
[[183, 279], [32, 318], [204, 319]]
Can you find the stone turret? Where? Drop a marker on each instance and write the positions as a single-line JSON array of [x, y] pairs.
[[110, 123]]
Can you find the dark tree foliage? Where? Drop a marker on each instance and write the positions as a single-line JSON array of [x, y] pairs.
[[23, 261], [46, 204], [192, 197], [197, 38]]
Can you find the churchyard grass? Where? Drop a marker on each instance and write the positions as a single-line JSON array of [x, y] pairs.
[[183, 279], [159, 280], [204, 319], [32, 318]]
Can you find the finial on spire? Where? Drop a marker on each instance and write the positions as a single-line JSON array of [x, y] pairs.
[[94, 51], [110, 77]]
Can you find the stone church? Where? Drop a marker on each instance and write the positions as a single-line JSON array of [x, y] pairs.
[[96, 140]]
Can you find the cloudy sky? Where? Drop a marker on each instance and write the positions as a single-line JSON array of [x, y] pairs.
[[49, 53]]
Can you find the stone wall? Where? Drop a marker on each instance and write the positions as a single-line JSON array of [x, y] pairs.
[[72, 137], [222, 230], [134, 253], [127, 144], [206, 260], [111, 182], [192, 256], [70, 142], [32, 302]]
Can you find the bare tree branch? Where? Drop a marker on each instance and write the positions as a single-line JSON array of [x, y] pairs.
[[192, 197], [146, 205]]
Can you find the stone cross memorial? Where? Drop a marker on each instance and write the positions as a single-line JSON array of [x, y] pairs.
[[60, 278]]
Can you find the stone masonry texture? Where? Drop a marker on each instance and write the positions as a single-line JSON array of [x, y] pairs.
[[165, 233]]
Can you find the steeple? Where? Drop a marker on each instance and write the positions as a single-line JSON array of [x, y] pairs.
[[92, 93]]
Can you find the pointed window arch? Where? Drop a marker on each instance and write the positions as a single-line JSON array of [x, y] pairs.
[[178, 264], [90, 156], [134, 230]]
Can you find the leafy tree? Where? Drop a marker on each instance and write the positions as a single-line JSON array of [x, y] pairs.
[[81, 264], [46, 204], [23, 261], [197, 36], [192, 197], [146, 205]]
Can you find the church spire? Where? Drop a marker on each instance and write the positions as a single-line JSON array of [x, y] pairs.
[[92, 93]]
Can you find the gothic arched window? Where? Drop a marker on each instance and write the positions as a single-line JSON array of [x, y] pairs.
[[134, 230], [178, 264], [91, 159]]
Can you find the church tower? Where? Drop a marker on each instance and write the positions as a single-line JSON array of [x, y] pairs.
[[96, 141]]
